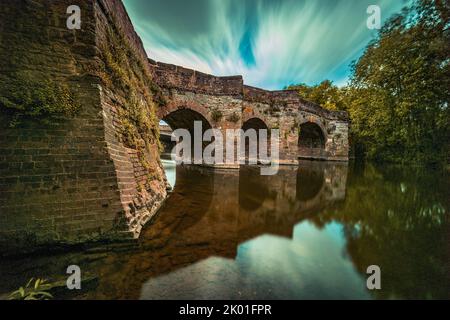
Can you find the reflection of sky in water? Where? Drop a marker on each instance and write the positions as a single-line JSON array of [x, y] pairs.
[[314, 260], [312, 265], [171, 171]]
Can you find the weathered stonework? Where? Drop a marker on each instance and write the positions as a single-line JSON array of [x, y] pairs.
[[70, 179], [73, 179], [187, 89]]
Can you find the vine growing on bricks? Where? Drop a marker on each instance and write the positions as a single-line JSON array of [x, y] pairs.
[[138, 96]]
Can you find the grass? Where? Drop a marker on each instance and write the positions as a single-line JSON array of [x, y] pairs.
[[33, 291]]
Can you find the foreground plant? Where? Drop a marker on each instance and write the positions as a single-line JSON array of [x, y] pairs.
[[38, 291]]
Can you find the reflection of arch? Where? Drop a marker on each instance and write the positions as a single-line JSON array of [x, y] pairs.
[[310, 181], [190, 200], [311, 140], [253, 189], [256, 124]]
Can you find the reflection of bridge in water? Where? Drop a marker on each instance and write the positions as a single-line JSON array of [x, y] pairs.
[[275, 204], [210, 213]]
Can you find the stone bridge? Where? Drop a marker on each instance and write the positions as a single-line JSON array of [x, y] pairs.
[[76, 177], [307, 131]]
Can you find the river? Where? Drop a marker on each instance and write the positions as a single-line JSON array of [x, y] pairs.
[[306, 233]]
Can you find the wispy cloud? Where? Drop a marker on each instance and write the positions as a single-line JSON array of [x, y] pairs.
[[271, 43]]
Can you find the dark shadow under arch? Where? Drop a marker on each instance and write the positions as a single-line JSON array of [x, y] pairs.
[[311, 141], [184, 119], [310, 181], [256, 124]]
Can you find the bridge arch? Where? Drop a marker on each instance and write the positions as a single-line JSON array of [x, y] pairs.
[[256, 124], [312, 139], [182, 118]]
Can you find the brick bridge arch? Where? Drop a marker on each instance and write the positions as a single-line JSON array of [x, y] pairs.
[[254, 123], [226, 103], [182, 115], [184, 118], [312, 139]]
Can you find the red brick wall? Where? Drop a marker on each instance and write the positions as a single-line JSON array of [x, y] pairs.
[[69, 180]]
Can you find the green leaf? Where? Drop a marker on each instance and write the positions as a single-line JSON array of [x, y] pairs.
[[29, 283]]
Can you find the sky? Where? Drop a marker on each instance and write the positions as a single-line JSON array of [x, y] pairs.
[[270, 43]]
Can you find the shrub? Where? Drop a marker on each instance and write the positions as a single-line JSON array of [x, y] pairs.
[[234, 117], [216, 115]]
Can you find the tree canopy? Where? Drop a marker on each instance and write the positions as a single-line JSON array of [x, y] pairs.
[[398, 94]]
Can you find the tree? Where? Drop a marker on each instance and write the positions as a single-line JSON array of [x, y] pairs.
[[399, 93], [398, 97], [325, 94]]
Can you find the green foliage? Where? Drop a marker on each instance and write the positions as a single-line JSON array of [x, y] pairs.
[[36, 291], [234, 117], [325, 94], [137, 122], [216, 115], [404, 77], [30, 95], [399, 92], [125, 71], [396, 216]]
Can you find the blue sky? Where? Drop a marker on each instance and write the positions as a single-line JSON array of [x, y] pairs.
[[270, 43]]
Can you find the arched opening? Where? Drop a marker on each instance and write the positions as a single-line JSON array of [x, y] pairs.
[[182, 119], [185, 118], [179, 119], [254, 138], [311, 141]]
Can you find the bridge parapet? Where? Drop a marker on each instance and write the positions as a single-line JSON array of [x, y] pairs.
[[176, 77]]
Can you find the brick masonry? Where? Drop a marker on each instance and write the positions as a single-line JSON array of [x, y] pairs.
[[238, 103], [72, 180]]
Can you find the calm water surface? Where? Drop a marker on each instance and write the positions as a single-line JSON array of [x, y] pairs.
[[306, 233]]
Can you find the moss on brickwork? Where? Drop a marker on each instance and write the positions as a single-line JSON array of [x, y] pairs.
[[137, 122], [234, 117], [136, 99], [216, 115], [31, 95], [124, 70]]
